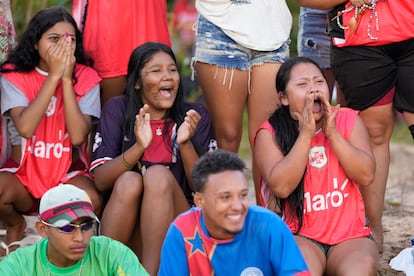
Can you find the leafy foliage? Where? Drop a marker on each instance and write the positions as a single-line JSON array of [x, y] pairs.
[[23, 10]]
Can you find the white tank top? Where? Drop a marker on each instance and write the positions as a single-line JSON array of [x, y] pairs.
[[262, 25]]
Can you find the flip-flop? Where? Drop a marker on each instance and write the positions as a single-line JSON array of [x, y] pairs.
[[28, 240]]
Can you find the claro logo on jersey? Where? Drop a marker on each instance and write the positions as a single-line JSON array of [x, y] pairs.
[[320, 202], [45, 150]]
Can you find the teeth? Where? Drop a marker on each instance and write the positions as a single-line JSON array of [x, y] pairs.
[[234, 217]]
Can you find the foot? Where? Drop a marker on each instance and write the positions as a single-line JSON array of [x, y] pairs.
[[14, 233]]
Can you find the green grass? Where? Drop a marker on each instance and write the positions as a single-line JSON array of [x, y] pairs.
[[244, 150], [401, 134], [294, 9]]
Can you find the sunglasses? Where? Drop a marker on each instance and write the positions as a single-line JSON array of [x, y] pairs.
[[69, 228]]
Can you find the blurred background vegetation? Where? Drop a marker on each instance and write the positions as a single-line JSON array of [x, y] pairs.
[[23, 10]]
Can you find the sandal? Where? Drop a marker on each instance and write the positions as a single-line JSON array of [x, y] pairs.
[[28, 240]]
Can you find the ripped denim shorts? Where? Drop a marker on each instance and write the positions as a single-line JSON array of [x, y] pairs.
[[313, 40], [213, 46]]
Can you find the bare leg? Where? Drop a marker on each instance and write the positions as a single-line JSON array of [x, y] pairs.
[[120, 213], [163, 200], [330, 80], [313, 256], [261, 103], [225, 92], [379, 121], [340, 98], [353, 257], [14, 200], [111, 87]]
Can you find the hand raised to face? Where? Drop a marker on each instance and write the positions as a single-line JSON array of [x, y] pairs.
[[329, 116], [306, 120], [60, 56]]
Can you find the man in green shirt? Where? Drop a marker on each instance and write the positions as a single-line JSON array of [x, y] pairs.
[[66, 221]]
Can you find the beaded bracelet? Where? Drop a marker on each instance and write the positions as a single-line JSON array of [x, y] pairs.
[[125, 163]]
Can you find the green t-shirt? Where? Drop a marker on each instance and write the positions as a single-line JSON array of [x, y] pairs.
[[104, 256]]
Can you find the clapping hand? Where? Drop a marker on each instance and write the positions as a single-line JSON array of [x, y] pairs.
[[142, 129], [188, 127]]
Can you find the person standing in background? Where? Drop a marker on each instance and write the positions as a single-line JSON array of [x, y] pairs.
[[7, 32], [7, 43], [113, 29], [314, 42], [239, 48]]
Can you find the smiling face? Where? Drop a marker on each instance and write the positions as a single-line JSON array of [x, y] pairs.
[[305, 80], [50, 38], [224, 202], [160, 80]]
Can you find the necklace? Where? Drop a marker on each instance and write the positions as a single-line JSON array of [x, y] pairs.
[[49, 273], [358, 12]]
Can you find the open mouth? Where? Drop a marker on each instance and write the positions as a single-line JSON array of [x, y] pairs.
[[317, 104], [166, 91]]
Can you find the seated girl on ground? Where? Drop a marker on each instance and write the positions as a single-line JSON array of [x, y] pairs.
[[312, 157], [145, 147], [51, 94]]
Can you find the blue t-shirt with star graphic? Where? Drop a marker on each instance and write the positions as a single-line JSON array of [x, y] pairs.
[[265, 246]]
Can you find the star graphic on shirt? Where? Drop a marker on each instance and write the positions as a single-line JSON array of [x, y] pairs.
[[196, 243]]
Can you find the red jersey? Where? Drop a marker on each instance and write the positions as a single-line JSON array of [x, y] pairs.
[[333, 205], [114, 29], [47, 155], [390, 21]]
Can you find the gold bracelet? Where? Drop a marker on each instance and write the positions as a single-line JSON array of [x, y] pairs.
[[125, 163]]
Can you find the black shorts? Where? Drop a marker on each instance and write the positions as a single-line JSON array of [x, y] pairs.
[[366, 74], [326, 247]]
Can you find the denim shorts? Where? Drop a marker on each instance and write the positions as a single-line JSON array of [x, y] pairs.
[[213, 46], [313, 39]]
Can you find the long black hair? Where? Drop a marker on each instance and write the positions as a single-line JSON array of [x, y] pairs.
[[287, 132], [25, 57], [139, 58]]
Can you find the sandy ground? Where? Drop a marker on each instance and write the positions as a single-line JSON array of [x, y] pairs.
[[398, 219], [398, 216]]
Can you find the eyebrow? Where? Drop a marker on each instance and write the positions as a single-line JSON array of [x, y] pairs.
[[228, 192], [56, 34], [307, 78], [160, 65]]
